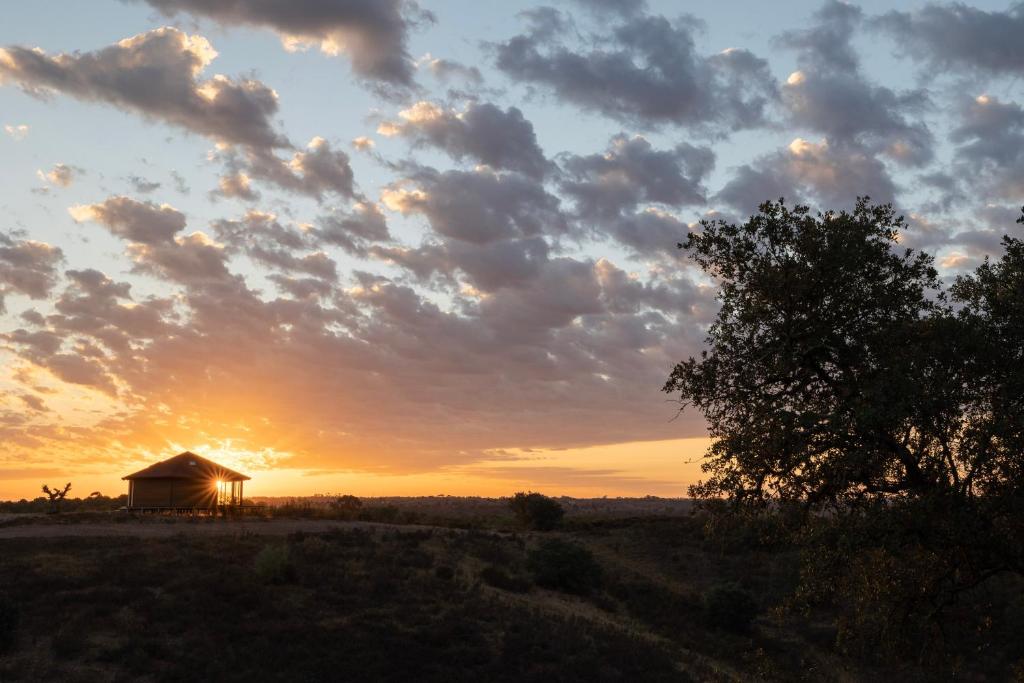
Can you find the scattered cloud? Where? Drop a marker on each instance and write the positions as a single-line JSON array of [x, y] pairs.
[[373, 35]]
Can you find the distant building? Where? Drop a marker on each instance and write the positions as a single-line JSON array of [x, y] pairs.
[[184, 482]]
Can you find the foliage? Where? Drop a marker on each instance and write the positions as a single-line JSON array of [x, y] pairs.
[[564, 566], [8, 624], [273, 564], [348, 503], [730, 607], [93, 503], [499, 578], [56, 495], [843, 377], [536, 511], [839, 369]]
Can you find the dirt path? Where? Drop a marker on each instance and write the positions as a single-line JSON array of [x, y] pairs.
[[200, 527]]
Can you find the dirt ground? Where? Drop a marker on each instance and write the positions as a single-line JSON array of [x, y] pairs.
[[169, 527]]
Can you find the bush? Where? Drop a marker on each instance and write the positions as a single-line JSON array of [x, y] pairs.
[[8, 625], [273, 565], [536, 511], [564, 566], [729, 607], [444, 573], [499, 578]]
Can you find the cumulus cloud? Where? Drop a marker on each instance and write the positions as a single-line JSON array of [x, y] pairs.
[[158, 75], [373, 34], [830, 95], [477, 206], [990, 146], [27, 267], [631, 172], [316, 171], [623, 192], [958, 36], [135, 221], [809, 172], [502, 139], [269, 243], [61, 175], [446, 70], [647, 72], [142, 185], [17, 132], [353, 230]]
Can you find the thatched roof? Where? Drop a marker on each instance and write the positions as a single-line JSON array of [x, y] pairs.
[[188, 465]]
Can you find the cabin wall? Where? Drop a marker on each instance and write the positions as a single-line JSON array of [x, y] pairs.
[[173, 493]]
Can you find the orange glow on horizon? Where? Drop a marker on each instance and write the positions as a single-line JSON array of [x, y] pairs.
[[660, 468]]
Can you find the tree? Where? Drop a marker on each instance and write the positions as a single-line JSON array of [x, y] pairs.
[[56, 495], [841, 374], [536, 511], [840, 370]]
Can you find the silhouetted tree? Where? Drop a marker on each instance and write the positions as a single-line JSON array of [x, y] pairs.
[[841, 374], [536, 511], [839, 369], [56, 495]]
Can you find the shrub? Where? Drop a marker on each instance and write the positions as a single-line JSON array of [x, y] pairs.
[[730, 607], [444, 573], [536, 511], [565, 567], [499, 578], [273, 565], [8, 624]]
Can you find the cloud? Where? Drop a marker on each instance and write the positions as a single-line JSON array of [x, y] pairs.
[[631, 172], [17, 132], [373, 34], [830, 95], [446, 70], [501, 139], [135, 221], [647, 72], [477, 206], [236, 186], [27, 267], [156, 74], [808, 172], [958, 36], [990, 146], [267, 242], [316, 171], [61, 174], [353, 230], [142, 185]]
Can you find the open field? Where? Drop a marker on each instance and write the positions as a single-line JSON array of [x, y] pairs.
[[606, 597]]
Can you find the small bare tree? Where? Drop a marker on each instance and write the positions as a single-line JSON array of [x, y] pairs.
[[56, 495]]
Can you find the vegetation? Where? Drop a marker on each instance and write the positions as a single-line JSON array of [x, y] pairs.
[[564, 566], [95, 502], [730, 607], [843, 377], [536, 511], [56, 495]]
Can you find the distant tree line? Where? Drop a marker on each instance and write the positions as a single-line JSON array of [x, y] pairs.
[[56, 500]]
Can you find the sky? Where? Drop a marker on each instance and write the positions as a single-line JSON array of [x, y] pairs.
[[388, 248]]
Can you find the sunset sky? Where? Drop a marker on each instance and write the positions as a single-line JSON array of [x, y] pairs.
[[375, 247]]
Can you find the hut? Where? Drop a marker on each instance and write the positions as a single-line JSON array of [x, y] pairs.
[[185, 482]]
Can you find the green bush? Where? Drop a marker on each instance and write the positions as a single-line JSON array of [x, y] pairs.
[[8, 624], [499, 578], [273, 564], [536, 511], [730, 607], [564, 566]]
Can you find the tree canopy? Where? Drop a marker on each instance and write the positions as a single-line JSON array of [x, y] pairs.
[[840, 368]]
